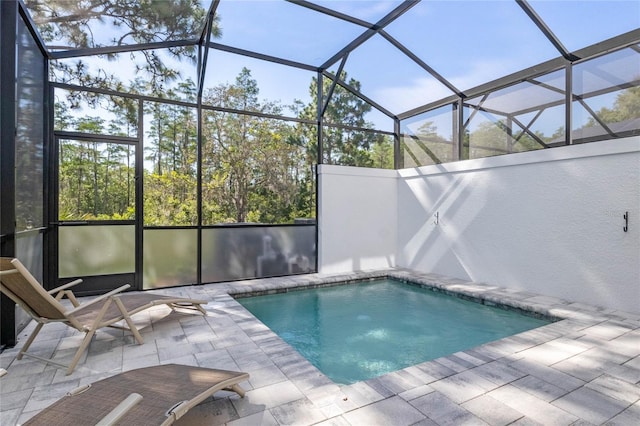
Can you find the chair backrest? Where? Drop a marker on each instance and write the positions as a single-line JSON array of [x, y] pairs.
[[27, 292]]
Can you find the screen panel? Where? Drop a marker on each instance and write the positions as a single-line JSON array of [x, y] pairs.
[[87, 250], [428, 138], [96, 180], [30, 136], [606, 92], [170, 257], [236, 253]]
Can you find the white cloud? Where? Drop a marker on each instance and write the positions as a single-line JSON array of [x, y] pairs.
[[483, 71], [409, 94]]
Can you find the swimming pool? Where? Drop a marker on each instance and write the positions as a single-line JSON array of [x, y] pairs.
[[363, 330]]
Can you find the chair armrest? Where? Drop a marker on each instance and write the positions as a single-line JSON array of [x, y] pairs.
[[100, 298], [65, 286], [62, 292], [120, 410]]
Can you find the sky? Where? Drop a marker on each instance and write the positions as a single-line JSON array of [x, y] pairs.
[[467, 42]]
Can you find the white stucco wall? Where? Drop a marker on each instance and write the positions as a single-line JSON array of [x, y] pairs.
[[550, 222], [357, 218]]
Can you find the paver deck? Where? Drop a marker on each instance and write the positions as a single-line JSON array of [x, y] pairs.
[[582, 369]]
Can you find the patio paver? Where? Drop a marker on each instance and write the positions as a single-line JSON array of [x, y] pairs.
[[585, 368]]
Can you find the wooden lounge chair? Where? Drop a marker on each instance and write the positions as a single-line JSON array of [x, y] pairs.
[[104, 311], [162, 394]]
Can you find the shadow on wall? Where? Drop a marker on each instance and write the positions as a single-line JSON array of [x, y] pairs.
[[436, 242], [356, 263], [552, 227]]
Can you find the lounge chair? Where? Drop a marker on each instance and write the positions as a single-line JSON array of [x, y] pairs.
[[161, 395], [104, 311]]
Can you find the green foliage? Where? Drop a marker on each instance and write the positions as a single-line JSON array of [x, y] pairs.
[[251, 172], [625, 107], [426, 146], [495, 138], [340, 145], [382, 153], [169, 199], [170, 186], [96, 180], [254, 169], [74, 23], [143, 21]]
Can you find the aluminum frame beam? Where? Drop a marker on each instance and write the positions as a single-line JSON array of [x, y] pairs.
[[107, 50], [148, 98], [544, 28], [331, 12], [629, 39], [373, 30], [262, 56], [360, 95], [33, 29], [203, 59], [421, 63], [333, 84]]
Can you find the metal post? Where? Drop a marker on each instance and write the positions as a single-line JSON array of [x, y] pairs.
[[509, 134], [199, 192], [50, 238], [568, 122], [455, 130], [139, 199], [319, 160], [398, 162], [319, 118], [460, 130]]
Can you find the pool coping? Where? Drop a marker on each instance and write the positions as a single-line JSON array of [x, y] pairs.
[[415, 383], [547, 307], [428, 283], [409, 278]]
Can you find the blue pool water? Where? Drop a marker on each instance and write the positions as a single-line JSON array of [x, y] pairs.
[[360, 331]]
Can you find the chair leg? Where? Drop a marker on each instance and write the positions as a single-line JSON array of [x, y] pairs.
[[127, 318], [200, 308], [87, 338], [237, 389], [30, 340], [191, 306], [80, 351], [70, 296]]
